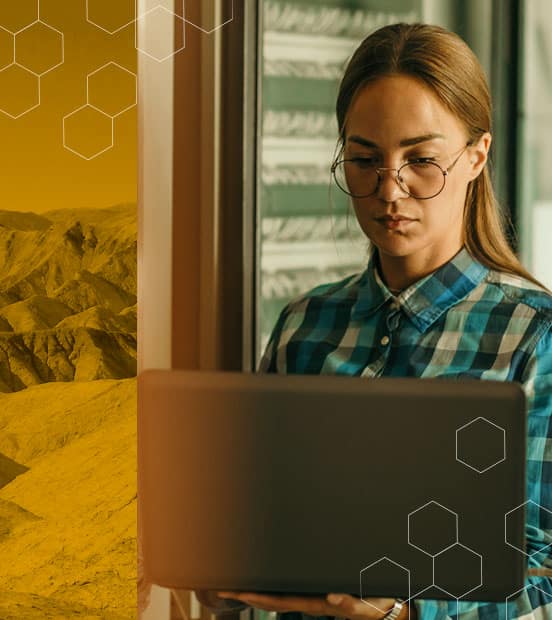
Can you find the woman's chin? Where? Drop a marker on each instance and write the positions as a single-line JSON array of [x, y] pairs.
[[395, 245]]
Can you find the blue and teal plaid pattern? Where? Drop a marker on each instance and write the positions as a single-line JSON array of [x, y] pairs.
[[463, 320]]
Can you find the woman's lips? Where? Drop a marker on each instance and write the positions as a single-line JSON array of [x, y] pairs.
[[395, 223]]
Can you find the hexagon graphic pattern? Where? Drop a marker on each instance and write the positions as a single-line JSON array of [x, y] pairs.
[[16, 14], [387, 570], [19, 91], [518, 604], [7, 42], [112, 89], [432, 528], [480, 445], [175, 6], [527, 506], [458, 570], [39, 48], [151, 26], [112, 17], [223, 10], [87, 132]]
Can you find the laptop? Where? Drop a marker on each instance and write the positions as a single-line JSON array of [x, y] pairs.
[[313, 484]]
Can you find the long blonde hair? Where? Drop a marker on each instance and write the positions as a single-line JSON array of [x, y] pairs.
[[444, 63]]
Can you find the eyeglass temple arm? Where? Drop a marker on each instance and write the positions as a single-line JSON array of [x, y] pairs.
[[469, 143]]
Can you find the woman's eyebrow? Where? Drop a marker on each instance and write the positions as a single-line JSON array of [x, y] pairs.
[[405, 142]]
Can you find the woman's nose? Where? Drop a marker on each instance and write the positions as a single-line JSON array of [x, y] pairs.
[[389, 189]]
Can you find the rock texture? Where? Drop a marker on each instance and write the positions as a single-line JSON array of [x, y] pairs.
[[68, 414], [9, 470], [67, 296], [68, 512]]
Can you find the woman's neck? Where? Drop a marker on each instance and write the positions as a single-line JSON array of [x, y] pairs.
[[400, 272]]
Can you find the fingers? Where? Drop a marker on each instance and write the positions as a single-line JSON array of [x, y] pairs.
[[227, 594], [354, 608], [540, 572], [348, 606], [314, 606], [267, 603], [342, 605]]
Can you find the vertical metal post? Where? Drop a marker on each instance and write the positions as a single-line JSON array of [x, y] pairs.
[[252, 57], [209, 149], [505, 88]]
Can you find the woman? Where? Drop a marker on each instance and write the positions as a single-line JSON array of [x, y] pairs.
[[443, 294]]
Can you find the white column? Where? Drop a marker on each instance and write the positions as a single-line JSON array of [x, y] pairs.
[[155, 150]]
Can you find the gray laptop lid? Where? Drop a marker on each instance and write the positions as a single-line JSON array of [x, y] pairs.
[[316, 484]]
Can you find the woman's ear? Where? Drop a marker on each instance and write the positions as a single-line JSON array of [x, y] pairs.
[[478, 154]]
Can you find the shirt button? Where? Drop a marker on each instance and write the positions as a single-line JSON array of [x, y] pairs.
[[385, 340]]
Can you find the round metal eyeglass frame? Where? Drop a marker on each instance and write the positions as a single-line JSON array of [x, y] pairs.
[[398, 179]]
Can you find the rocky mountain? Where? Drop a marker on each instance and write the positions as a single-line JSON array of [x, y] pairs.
[[68, 414], [67, 296], [9, 470], [33, 313], [68, 501], [12, 517]]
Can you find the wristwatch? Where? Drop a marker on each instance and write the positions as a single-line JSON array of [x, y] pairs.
[[395, 611]]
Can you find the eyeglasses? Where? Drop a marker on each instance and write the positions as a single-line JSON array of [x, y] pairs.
[[422, 178]]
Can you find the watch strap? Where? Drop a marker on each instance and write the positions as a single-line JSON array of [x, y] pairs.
[[395, 611]]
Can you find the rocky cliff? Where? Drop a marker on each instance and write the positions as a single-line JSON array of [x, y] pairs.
[[68, 501], [68, 414], [67, 296]]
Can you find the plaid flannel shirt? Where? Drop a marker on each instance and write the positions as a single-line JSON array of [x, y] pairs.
[[462, 320]]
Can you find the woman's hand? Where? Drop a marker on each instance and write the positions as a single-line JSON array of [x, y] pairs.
[[342, 605]]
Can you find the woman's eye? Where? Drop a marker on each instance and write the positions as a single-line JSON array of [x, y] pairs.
[[421, 160]]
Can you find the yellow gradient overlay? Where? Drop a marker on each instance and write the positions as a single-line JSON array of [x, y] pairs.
[[39, 173], [67, 312]]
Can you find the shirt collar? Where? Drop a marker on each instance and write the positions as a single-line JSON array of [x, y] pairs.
[[425, 300]]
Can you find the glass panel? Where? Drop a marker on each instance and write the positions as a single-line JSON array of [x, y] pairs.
[[536, 132], [308, 234]]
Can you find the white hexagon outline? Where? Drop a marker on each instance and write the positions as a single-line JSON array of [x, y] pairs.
[[529, 555], [173, 53], [432, 555], [503, 442], [86, 105], [518, 592], [91, 21], [480, 570], [158, 5], [385, 557], [14, 64], [418, 594], [137, 15], [216, 27], [12, 34], [40, 21], [123, 69]]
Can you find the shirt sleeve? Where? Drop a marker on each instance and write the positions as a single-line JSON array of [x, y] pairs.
[[268, 361], [534, 601]]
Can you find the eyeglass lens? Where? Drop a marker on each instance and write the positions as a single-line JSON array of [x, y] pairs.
[[420, 180]]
